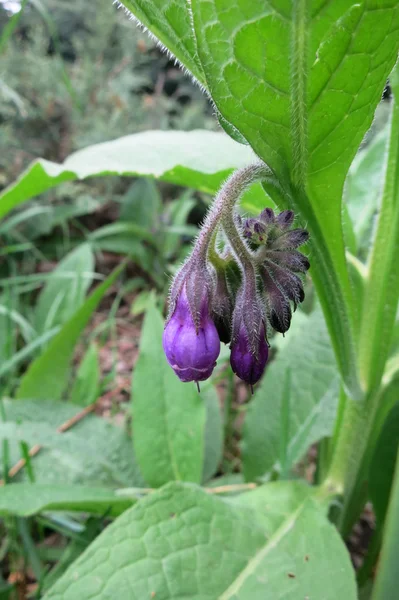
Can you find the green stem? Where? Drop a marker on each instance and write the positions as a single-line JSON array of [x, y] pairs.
[[330, 287], [347, 467], [228, 195], [387, 583], [366, 570], [351, 449]]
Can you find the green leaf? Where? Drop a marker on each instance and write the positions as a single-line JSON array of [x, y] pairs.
[[170, 22], [177, 213], [61, 297], [198, 159], [363, 187], [47, 376], [168, 415], [313, 392], [93, 452], [275, 502], [141, 204], [140, 303], [301, 82], [382, 467], [167, 545], [382, 289], [26, 499], [86, 385], [213, 450], [305, 558]]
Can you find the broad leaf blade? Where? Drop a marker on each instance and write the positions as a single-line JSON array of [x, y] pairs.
[[313, 394], [168, 415], [198, 159], [47, 376], [301, 82], [27, 499], [305, 558], [298, 80], [93, 452], [167, 545]]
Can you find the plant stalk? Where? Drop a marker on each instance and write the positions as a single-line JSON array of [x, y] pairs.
[[352, 449]]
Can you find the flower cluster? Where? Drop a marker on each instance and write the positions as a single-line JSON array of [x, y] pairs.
[[207, 308]]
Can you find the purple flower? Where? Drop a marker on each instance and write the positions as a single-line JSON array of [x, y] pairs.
[[249, 348], [249, 366], [191, 350]]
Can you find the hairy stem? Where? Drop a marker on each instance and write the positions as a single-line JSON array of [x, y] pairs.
[[228, 195]]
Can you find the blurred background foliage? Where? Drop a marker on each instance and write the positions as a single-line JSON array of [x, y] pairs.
[[74, 74]]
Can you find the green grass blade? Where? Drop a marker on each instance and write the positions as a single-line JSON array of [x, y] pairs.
[[47, 376]]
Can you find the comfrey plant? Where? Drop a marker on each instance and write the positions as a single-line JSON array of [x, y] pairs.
[[296, 84], [204, 307]]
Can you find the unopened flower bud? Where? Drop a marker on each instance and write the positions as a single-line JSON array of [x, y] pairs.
[[245, 363], [280, 263], [249, 348], [191, 344], [278, 306]]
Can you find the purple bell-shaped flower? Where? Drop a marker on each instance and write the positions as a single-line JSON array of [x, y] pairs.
[[191, 348], [246, 364], [249, 347]]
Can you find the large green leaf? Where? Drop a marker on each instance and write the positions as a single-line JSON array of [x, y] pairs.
[[312, 399], [168, 415], [26, 499], [305, 558], [181, 542], [61, 297], [170, 22], [198, 159], [93, 452], [301, 81], [47, 376]]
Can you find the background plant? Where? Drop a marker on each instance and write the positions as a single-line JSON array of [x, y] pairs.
[[333, 380]]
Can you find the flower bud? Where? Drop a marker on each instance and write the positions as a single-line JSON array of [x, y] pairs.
[[191, 343], [249, 349], [245, 363], [280, 263]]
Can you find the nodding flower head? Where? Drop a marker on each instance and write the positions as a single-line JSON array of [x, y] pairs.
[[190, 339], [249, 348]]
